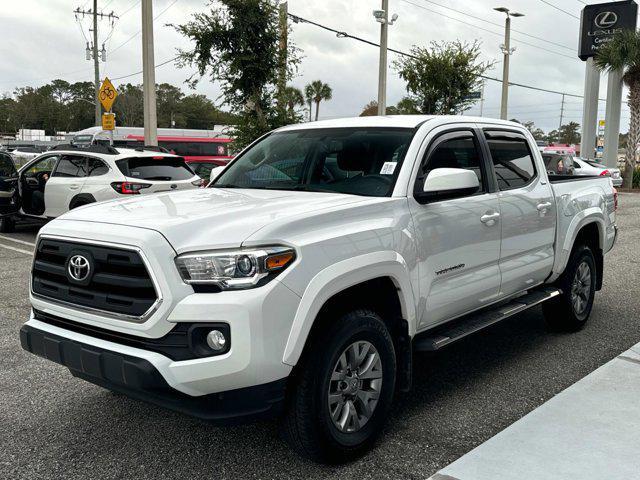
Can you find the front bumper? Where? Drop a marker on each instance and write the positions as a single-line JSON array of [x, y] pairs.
[[138, 378]]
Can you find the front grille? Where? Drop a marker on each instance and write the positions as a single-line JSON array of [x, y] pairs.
[[118, 283]]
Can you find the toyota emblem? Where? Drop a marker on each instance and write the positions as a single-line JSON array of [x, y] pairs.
[[605, 19], [79, 268]]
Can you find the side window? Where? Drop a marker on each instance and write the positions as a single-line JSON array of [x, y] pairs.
[[44, 165], [458, 152], [96, 167], [7, 168], [512, 160], [71, 167]]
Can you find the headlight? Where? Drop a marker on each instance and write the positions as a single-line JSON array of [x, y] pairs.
[[234, 269]]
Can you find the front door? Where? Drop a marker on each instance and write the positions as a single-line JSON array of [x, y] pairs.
[[33, 181], [66, 182], [458, 239], [9, 198], [528, 212]]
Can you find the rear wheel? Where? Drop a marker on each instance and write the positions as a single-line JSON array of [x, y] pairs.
[[571, 310], [344, 389], [7, 225]]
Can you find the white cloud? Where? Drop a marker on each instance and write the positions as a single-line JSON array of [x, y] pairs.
[[41, 41]]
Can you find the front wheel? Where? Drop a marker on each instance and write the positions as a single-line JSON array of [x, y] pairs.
[[343, 391], [571, 310]]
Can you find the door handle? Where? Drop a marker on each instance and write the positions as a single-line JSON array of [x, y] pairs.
[[544, 206], [490, 218], [74, 187]]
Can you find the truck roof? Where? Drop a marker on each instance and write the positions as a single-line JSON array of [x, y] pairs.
[[400, 121]]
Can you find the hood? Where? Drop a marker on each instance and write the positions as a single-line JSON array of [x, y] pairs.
[[209, 218]]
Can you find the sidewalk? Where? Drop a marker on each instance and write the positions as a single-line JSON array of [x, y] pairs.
[[589, 431]]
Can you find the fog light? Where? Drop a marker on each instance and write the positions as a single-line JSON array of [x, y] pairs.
[[216, 340]]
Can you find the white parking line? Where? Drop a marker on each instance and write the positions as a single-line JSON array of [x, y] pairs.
[[3, 237], [14, 249]]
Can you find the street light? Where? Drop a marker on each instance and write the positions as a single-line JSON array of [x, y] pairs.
[[507, 51], [382, 17]]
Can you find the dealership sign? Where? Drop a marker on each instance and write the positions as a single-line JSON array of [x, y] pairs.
[[599, 22]]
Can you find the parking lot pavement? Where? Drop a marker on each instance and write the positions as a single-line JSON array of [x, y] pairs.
[[57, 426]]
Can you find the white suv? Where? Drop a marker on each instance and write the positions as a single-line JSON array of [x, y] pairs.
[[69, 176]]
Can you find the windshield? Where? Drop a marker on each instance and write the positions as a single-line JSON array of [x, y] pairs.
[[82, 139], [358, 161]]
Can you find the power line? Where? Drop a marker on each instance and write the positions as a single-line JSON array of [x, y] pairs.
[[496, 24], [343, 34], [489, 31], [560, 9], [140, 31], [138, 73]]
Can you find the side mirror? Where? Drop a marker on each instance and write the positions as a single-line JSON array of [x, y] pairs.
[[215, 173], [443, 183]]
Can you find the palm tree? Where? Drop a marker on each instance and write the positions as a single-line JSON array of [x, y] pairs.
[[308, 95], [293, 97], [622, 53], [318, 91]]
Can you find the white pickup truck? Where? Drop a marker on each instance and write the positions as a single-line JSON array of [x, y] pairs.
[[300, 282]]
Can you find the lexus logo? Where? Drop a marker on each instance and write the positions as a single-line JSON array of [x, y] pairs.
[[605, 19], [79, 268]]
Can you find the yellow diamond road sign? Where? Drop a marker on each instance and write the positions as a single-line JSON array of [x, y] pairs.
[[107, 94]]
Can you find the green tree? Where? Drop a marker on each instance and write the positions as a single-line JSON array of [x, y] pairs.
[[441, 77], [318, 91], [622, 53], [569, 133], [236, 44], [128, 107], [293, 98], [168, 100]]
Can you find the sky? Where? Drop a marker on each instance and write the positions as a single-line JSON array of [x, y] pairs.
[[43, 41]]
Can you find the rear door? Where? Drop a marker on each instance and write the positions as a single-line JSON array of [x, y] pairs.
[[9, 198], [161, 173], [65, 183], [528, 213]]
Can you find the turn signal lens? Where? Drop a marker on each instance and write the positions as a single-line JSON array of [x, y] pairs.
[[280, 260]]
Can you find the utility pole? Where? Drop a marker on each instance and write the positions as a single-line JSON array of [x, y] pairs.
[[561, 116], [92, 52], [283, 11], [382, 17], [149, 76], [507, 51]]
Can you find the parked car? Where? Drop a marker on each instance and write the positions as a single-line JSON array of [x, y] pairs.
[[300, 282], [68, 177], [589, 167], [558, 163], [22, 155]]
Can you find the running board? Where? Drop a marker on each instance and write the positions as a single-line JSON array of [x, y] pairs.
[[446, 334]]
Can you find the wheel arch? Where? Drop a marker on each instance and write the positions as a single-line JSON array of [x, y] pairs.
[[81, 199], [384, 274], [585, 230]]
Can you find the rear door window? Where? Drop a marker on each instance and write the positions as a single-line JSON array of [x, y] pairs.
[[96, 167], [71, 167], [155, 168], [512, 159]]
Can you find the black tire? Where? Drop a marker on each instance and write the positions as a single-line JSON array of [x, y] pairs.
[[307, 425], [7, 225], [561, 313]]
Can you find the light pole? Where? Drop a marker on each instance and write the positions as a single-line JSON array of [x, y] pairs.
[[149, 76], [382, 17], [507, 51]]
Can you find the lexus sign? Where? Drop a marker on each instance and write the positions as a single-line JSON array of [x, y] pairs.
[[599, 22]]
